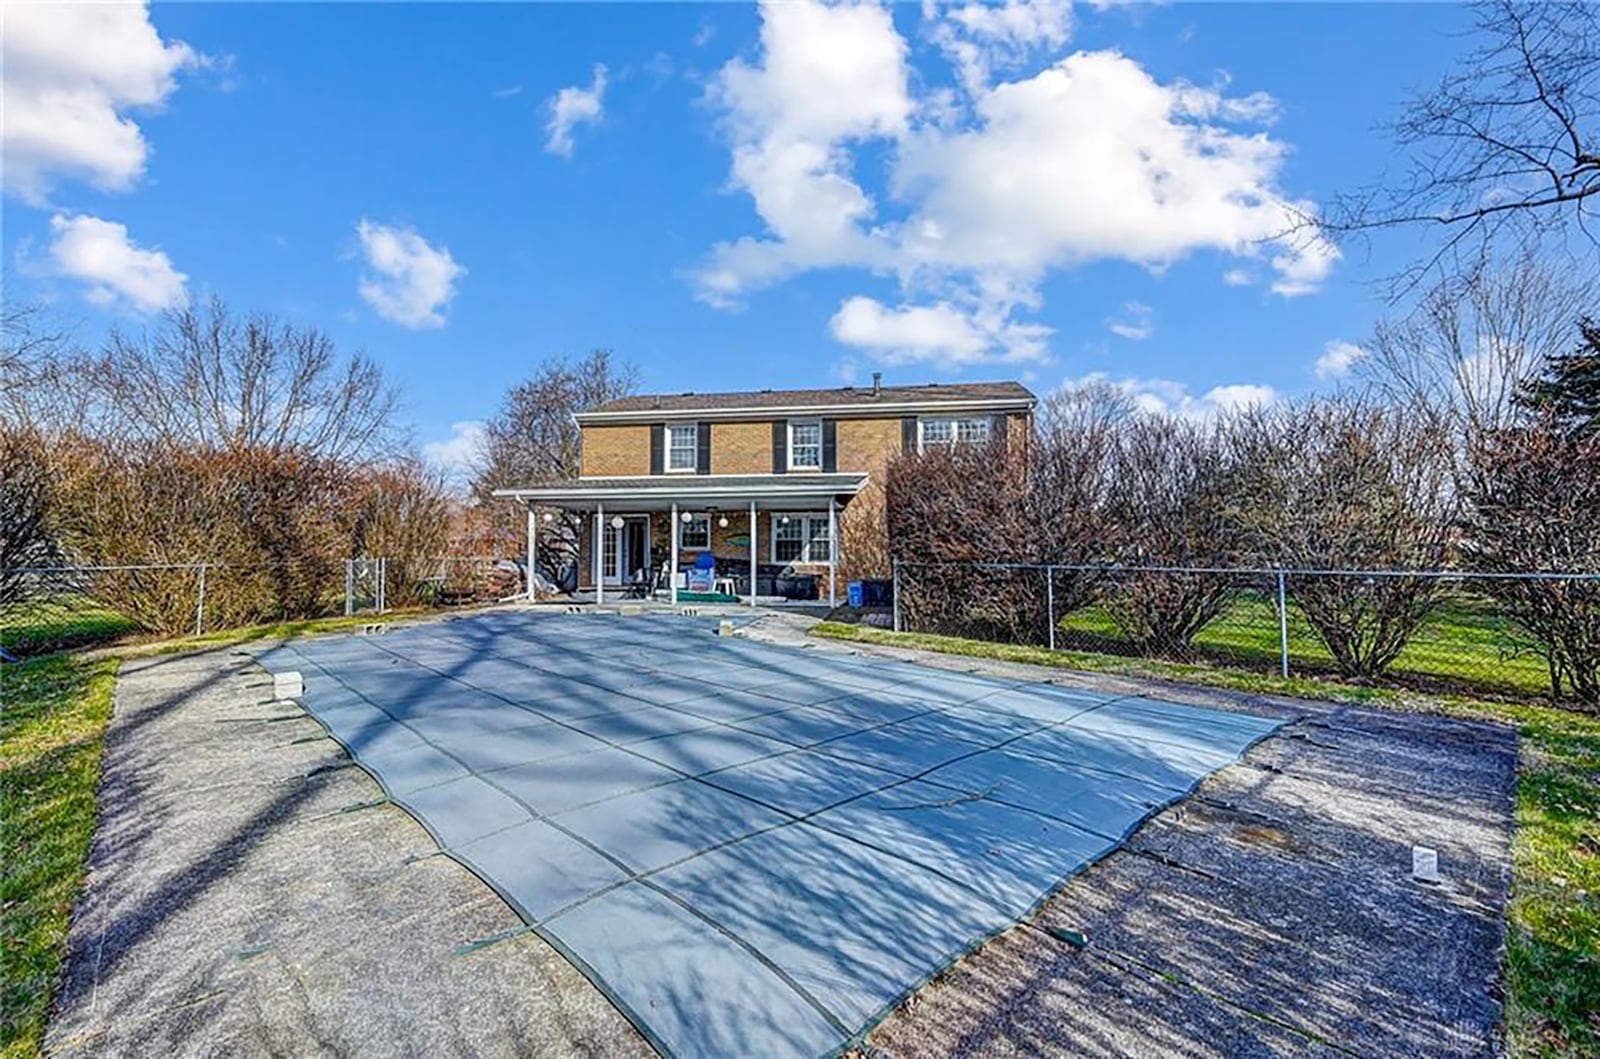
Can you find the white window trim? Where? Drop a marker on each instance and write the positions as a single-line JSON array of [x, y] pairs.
[[955, 430], [684, 529], [793, 466], [808, 519], [666, 458]]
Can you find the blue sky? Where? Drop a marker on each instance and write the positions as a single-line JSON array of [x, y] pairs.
[[732, 197]]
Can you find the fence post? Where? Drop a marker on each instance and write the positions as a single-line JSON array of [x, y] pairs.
[[349, 587], [1050, 603], [1283, 621], [200, 604], [895, 594]]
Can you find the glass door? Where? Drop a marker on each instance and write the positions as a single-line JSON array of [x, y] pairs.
[[613, 557]]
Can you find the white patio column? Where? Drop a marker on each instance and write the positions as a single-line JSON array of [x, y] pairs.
[[755, 554], [833, 556], [533, 547], [599, 553], [672, 579]]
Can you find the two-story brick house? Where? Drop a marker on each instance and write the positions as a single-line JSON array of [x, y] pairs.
[[774, 473]]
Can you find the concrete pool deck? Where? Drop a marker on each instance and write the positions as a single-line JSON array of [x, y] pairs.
[[194, 935]]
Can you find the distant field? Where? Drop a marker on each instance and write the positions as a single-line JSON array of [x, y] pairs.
[[1466, 643]]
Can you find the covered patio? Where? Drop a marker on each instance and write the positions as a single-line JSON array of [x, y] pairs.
[[649, 537]]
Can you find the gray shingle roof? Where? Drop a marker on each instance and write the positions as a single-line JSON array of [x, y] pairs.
[[842, 395], [677, 483], [690, 488]]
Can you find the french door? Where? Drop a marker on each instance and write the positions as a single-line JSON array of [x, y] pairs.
[[624, 549], [613, 556]]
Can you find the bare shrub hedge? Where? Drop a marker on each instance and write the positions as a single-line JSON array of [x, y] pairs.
[[1533, 503], [1346, 484], [1172, 484], [966, 505]]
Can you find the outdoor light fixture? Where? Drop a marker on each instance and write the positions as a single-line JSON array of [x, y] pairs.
[[548, 516], [783, 521], [723, 521], [688, 517], [616, 523]]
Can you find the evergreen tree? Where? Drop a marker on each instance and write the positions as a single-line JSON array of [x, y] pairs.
[[1569, 388]]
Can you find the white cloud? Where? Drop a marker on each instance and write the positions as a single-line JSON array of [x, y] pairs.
[[1136, 323], [508, 92], [458, 455], [829, 76], [574, 106], [411, 280], [1305, 261], [941, 333], [1099, 162], [117, 272], [1237, 396], [70, 72], [1337, 360], [978, 38], [1089, 159], [1238, 277], [1168, 397]]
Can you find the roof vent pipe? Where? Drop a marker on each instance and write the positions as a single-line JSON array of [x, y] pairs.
[[877, 384]]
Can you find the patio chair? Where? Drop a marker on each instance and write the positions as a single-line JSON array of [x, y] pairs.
[[638, 585]]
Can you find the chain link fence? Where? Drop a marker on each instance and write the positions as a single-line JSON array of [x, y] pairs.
[[364, 582], [49, 608], [1520, 635], [52, 608]]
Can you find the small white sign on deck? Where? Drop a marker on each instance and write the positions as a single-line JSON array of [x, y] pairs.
[[287, 685], [1424, 864]]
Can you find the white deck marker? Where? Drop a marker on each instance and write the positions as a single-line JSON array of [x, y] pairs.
[[1425, 864]]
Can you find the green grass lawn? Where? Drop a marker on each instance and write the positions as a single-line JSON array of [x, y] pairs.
[[53, 715], [51, 730], [1553, 950], [1465, 645], [35, 628]]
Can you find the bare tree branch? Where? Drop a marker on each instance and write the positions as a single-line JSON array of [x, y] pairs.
[[210, 379], [1505, 146]]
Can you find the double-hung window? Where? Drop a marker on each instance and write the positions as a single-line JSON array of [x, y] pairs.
[[800, 539], [683, 448], [953, 430], [696, 533], [805, 445]]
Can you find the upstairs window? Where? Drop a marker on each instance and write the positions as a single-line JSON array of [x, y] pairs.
[[805, 445], [952, 430], [683, 448]]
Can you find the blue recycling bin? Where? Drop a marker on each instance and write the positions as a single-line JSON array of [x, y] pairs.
[[858, 594]]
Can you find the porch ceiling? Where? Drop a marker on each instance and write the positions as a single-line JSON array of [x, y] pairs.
[[659, 492]]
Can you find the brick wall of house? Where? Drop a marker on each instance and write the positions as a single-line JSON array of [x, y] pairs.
[[746, 447], [867, 444], [741, 448], [614, 450], [864, 445]]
